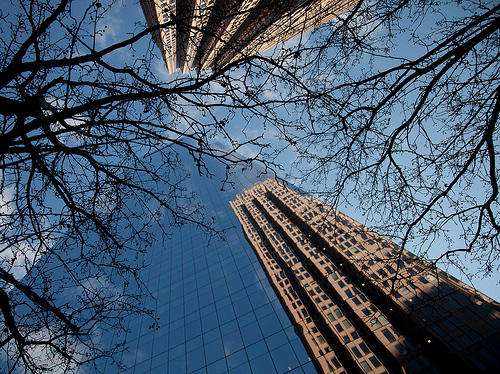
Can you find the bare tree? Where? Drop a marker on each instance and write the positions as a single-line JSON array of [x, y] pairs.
[[401, 121], [92, 145]]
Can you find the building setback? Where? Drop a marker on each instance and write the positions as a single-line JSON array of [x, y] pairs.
[[209, 34], [359, 302]]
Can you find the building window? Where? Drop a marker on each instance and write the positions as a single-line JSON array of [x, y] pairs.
[[388, 335], [376, 323], [423, 280], [466, 341], [448, 325], [364, 348], [404, 290], [335, 362], [487, 356], [375, 362], [356, 352], [383, 320], [346, 324], [430, 277], [366, 367], [438, 330], [476, 362], [401, 349]]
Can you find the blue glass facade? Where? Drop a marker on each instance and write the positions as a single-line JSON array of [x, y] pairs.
[[217, 311]]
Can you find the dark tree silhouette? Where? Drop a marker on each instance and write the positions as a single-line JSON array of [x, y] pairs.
[[392, 105], [401, 120]]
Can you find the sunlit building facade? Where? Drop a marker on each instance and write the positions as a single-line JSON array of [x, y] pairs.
[[359, 302], [209, 34]]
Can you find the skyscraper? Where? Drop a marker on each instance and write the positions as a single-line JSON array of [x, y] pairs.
[[359, 302], [209, 34], [217, 311]]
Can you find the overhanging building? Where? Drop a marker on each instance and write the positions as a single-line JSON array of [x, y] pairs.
[[209, 34]]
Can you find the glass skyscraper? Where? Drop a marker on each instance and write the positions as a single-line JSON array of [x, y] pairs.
[[217, 311]]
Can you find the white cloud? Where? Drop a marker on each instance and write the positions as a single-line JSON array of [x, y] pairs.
[[18, 258], [110, 26]]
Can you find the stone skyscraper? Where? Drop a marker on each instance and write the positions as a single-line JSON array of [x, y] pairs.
[[359, 302], [209, 34]]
